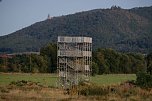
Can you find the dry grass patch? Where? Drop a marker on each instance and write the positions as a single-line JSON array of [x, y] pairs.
[[40, 94]]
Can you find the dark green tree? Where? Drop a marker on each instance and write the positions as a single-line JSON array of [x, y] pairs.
[[95, 68], [149, 63], [50, 53]]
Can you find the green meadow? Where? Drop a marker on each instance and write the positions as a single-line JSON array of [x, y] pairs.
[[108, 79], [51, 79]]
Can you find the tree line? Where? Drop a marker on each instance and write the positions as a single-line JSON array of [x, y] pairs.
[[107, 61], [45, 62], [104, 61]]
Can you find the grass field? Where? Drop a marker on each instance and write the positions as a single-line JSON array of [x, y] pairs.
[[108, 79], [44, 79], [50, 79], [31, 91]]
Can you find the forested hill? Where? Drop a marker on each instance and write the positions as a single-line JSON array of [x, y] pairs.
[[126, 30]]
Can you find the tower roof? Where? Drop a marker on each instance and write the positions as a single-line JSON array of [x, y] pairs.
[[49, 17]]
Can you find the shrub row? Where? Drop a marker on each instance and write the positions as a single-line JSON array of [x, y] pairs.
[[144, 80]]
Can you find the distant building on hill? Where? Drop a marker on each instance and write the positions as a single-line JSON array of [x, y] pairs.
[[48, 18]]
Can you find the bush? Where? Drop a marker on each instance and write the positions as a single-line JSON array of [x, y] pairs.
[[144, 80], [92, 90], [24, 83]]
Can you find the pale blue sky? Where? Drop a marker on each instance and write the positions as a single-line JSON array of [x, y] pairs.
[[17, 14]]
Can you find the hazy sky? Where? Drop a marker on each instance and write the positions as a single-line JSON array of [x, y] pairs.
[[17, 14]]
